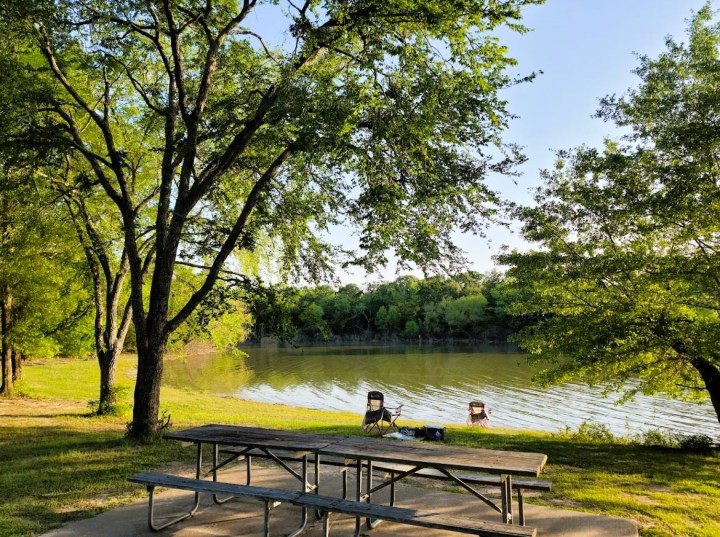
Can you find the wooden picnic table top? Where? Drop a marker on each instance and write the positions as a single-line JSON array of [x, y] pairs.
[[235, 435], [428, 454], [376, 449]]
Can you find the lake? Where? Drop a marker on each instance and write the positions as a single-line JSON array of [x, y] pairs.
[[433, 383]]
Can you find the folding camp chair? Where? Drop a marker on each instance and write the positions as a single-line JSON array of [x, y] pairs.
[[477, 415], [378, 416]]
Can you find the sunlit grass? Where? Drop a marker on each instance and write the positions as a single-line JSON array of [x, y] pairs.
[[61, 463]]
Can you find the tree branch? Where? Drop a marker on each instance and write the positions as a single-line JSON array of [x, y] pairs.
[[231, 240]]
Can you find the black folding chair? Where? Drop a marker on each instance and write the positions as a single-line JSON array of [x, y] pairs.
[[378, 416]]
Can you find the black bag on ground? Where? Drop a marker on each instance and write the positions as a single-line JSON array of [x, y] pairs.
[[434, 432]]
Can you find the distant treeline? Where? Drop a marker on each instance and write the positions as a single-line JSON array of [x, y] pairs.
[[468, 306]]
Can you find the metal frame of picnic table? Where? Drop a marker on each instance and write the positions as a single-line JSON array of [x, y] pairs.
[[363, 451], [418, 456], [246, 437]]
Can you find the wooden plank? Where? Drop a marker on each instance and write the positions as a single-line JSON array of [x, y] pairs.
[[291, 456], [336, 505], [527, 484], [384, 450], [233, 435], [439, 455], [213, 487], [413, 517]]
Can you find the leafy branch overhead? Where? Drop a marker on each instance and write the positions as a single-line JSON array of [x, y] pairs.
[[218, 126], [625, 283]]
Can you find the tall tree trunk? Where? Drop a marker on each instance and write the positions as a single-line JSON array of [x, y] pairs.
[[16, 357], [146, 424], [711, 377], [108, 396], [108, 350], [5, 316]]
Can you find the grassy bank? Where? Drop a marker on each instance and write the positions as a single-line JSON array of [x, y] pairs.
[[60, 464]]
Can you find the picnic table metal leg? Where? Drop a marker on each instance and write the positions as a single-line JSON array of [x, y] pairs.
[[370, 522], [318, 514], [198, 471], [358, 493], [304, 514], [266, 520], [521, 507], [217, 500], [151, 512], [185, 516], [506, 498], [392, 489], [344, 472]]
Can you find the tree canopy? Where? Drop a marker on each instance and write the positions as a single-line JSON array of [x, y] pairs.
[[626, 284], [466, 306], [209, 136]]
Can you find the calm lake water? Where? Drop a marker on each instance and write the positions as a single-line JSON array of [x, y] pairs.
[[434, 383]]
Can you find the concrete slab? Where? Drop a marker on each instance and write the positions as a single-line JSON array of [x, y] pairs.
[[245, 517]]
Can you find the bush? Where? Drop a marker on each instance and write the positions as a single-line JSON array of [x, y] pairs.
[[700, 443], [591, 432], [655, 438]]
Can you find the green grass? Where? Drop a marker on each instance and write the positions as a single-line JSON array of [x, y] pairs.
[[60, 463]]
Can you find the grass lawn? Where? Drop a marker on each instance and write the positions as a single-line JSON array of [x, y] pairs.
[[59, 463]]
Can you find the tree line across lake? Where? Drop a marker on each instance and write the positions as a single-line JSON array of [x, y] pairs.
[[466, 306]]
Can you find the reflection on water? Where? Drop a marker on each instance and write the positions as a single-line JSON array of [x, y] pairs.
[[434, 383]]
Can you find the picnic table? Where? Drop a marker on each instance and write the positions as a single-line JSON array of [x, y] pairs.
[[361, 453], [446, 459]]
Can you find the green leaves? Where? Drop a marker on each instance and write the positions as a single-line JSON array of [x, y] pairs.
[[625, 283]]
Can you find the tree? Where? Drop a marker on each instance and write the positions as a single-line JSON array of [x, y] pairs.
[[98, 235], [66, 181], [467, 314], [626, 285], [44, 304], [208, 138]]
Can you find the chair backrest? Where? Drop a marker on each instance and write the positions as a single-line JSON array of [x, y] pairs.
[[475, 407], [375, 400]]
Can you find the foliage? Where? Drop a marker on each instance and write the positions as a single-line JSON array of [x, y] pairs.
[[625, 284], [697, 443], [41, 271], [655, 438], [208, 138], [116, 405], [465, 306], [591, 432], [221, 320]]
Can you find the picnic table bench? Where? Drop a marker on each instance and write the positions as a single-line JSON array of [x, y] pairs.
[[326, 504]]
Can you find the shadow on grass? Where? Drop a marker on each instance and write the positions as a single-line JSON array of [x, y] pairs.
[[59, 474]]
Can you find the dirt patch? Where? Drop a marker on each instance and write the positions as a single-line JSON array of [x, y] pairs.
[[26, 407]]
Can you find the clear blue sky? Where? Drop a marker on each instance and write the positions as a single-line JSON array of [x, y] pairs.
[[586, 50]]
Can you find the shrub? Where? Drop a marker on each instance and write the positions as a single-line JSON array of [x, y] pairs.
[[591, 432], [700, 443], [655, 438]]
